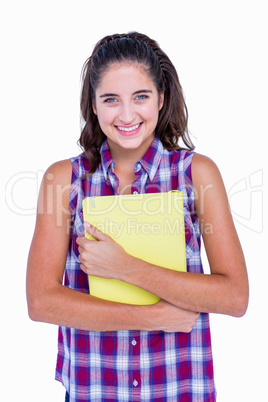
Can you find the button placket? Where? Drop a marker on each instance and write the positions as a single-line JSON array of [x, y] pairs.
[[136, 185], [136, 375]]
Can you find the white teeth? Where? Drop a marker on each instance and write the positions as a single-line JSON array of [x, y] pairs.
[[128, 129]]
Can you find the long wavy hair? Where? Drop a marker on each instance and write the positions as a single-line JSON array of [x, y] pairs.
[[133, 47]]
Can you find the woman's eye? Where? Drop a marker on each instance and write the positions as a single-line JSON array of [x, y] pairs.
[[110, 100], [141, 97]]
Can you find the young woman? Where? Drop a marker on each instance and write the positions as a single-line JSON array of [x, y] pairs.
[[134, 118]]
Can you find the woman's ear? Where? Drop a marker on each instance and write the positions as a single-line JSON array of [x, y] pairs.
[[161, 101]]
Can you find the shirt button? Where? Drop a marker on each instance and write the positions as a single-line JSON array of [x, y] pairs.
[[135, 192], [137, 168], [135, 383], [134, 342]]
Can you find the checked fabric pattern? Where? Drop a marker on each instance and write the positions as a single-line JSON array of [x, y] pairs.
[[124, 366]]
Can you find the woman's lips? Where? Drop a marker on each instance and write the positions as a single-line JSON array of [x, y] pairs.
[[128, 131]]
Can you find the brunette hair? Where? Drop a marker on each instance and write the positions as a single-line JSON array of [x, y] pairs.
[[138, 48]]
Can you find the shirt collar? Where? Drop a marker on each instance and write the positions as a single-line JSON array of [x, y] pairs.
[[106, 158], [150, 160]]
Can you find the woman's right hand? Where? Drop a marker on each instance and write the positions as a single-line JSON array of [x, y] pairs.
[[170, 318]]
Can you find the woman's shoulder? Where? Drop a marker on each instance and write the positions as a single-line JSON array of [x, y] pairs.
[[64, 170], [55, 188], [60, 171], [204, 170], [203, 163]]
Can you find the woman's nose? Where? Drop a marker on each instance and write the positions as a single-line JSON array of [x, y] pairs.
[[127, 114]]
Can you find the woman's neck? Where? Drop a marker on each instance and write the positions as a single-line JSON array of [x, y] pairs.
[[125, 160], [125, 157], [124, 170]]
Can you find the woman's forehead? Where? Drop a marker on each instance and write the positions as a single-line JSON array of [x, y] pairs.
[[128, 73]]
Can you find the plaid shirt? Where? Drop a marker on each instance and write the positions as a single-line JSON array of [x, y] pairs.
[[135, 365]]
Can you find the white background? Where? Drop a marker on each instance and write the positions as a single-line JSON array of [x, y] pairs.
[[220, 51]]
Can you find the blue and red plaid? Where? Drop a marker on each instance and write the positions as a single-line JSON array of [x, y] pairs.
[[135, 365]]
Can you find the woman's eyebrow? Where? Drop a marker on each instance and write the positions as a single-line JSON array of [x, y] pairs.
[[146, 91], [135, 93], [105, 95]]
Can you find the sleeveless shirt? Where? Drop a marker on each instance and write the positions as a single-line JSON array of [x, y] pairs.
[[135, 365]]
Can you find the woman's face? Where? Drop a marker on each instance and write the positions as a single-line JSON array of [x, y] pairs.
[[127, 105]]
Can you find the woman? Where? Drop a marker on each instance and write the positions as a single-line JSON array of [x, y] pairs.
[[134, 117]]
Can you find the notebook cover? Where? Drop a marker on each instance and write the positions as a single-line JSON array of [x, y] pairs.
[[149, 227]]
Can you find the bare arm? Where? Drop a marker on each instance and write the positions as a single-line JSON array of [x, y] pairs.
[[50, 301], [226, 289]]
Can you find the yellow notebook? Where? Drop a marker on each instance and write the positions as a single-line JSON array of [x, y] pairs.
[[147, 226]]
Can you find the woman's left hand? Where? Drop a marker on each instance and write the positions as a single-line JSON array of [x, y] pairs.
[[104, 258]]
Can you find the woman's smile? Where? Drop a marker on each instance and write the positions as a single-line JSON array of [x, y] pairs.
[[128, 131]]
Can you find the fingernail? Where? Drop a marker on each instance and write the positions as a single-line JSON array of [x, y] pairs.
[[87, 225]]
